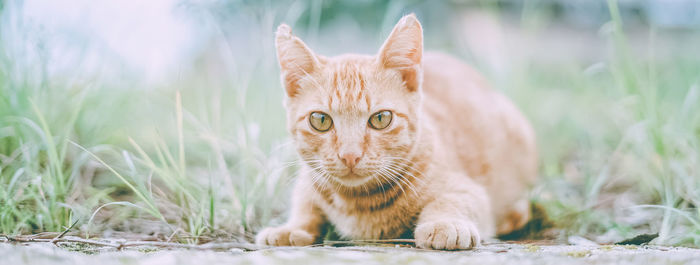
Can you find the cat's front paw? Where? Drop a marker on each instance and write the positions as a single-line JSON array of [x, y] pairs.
[[447, 234], [284, 236]]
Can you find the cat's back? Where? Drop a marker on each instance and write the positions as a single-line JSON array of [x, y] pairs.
[[479, 129], [458, 97], [448, 79]]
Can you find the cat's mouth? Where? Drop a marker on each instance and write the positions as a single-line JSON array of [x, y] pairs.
[[352, 180]]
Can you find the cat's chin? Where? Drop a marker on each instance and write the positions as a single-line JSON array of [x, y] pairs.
[[352, 180]]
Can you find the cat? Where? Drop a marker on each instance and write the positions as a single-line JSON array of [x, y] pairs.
[[402, 144]]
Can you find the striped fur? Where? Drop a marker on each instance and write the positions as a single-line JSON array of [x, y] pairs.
[[452, 167]]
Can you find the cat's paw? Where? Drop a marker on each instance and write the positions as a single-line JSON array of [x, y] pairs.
[[284, 236], [449, 234]]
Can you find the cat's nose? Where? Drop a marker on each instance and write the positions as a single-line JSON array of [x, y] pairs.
[[350, 159]]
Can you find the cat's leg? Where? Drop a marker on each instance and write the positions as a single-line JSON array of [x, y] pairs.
[[516, 218], [457, 217], [304, 224]]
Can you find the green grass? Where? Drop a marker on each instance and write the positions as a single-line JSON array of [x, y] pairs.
[[207, 154], [625, 144]]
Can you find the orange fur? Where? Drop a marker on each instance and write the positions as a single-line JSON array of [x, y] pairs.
[[452, 167]]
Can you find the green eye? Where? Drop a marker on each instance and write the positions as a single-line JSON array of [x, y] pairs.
[[380, 120], [320, 121]]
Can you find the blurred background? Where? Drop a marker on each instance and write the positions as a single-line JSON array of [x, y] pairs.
[[163, 119]]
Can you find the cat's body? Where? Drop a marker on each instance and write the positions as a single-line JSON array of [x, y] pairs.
[[453, 164]]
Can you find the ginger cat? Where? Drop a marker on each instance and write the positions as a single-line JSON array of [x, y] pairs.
[[401, 144]]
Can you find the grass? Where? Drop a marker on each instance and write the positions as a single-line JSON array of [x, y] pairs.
[[206, 155], [637, 129]]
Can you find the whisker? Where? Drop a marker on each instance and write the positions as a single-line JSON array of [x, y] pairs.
[[397, 176], [401, 164], [380, 183], [402, 168], [410, 184], [405, 171], [392, 175]]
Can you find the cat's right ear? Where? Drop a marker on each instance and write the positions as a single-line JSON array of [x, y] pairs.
[[295, 58], [403, 51]]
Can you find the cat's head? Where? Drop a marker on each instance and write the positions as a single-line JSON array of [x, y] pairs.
[[354, 118]]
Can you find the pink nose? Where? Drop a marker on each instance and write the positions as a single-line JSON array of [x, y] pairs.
[[350, 159]]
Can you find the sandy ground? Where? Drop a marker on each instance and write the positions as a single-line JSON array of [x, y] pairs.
[[495, 253]]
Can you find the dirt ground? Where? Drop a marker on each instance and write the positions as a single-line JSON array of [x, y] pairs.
[[491, 253]]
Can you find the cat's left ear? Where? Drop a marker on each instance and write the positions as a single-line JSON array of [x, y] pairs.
[[403, 51]]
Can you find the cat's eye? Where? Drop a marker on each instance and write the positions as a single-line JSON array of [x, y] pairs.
[[380, 120], [320, 121]]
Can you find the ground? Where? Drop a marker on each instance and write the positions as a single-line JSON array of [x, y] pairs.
[[489, 253]]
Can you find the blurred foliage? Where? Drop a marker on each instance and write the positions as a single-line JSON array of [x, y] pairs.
[[204, 153]]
